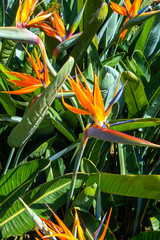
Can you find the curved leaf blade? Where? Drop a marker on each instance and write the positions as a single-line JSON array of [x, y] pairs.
[[142, 186], [86, 37], [135, 96], [17, 220], [123, 125], [21, 133], [17, 180]]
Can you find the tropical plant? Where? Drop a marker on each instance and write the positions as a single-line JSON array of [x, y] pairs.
[[79, 121]]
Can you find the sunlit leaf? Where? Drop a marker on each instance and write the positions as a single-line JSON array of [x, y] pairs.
[[34, 116], [143, 186], [12, 185]]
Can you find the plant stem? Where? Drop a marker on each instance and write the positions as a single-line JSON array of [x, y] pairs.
[[18, 155], [76, 168], [9, 161]]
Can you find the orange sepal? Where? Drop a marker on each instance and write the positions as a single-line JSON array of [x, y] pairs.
[[24, 90], [38, 19], [118, 9], [47, 29], [74, 109], [59, 24], [80, 231], [98, 101], [25, 78], [82, 98], [106, 226], [135, 7]]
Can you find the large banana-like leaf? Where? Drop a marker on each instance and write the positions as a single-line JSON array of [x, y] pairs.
[[21, 133], [17, 221], [142, 186], [17, 180], [117, 137]]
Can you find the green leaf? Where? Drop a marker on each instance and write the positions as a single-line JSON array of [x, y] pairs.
[[127, 160], [131, 124], [141, 67], [113, 60], [16, 181], [108, 31], [64, 151], [135, 96], [152, 89], [61, 125], [88, 166], [148, 41], [155, 222], [86, 37], [2, 15], [154, 108], [69, 42], [17, 220], [7, 102], [9, 120], [77, 20], [86, 197], [21, 133], [91, 7], [8, 48], [142, 186], [151, 235]]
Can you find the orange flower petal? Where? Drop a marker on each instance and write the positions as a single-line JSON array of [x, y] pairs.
[[80, 231], [59, 24], [118, 9], [74, 109], [128, 5], [88, 92], [24, 90], [38, 19], [28, 8], [106, 226], [24, 77], [135, 7], [18, 14], [98, 101], [82, 98], [47, 29]]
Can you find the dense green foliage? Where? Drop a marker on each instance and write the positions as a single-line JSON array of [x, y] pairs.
[[39, 144]]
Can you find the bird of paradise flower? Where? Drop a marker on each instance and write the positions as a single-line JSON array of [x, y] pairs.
[[130, 11], [93, 105], [59, 32], [25, 11], [27, 82], [49, 230]]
